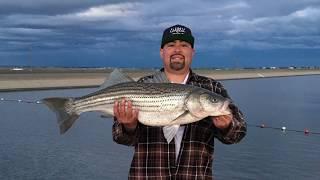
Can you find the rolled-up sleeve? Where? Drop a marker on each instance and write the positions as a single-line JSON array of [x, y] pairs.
[[237, 129], [122, 136]]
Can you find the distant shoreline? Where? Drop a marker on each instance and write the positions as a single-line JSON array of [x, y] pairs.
[[62, 78]]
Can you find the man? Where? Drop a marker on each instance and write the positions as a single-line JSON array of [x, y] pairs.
[[190, 154]]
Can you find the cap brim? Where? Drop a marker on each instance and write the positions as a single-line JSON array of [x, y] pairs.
[[181, 37]]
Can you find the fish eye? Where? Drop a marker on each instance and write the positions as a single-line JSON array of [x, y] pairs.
[[212, 99]]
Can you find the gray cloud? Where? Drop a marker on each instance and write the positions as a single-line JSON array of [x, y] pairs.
[[217, 24], [48, 7]]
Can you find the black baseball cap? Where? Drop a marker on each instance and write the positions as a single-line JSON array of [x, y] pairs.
[[177, 32]]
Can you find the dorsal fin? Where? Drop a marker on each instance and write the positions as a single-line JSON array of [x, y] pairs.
[[116, 77]]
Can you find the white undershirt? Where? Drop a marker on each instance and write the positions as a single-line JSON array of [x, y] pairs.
[[179, 135], [178, 139]]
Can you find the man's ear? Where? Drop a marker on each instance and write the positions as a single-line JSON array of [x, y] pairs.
[[161, 53]]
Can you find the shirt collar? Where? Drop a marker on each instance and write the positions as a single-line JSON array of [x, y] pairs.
[[185, 81]]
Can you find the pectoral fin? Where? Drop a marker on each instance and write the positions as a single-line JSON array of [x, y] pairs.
[[185, 118], [170, 131]]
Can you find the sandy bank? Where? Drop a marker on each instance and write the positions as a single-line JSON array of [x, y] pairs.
[[80, 78]]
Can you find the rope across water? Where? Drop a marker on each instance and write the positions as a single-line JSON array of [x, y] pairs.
[[306, 131]]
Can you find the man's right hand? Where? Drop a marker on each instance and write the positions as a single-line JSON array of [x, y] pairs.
[[126, 114]]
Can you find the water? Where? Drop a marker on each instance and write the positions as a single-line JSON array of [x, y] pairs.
[[31, 147], [293, 102]]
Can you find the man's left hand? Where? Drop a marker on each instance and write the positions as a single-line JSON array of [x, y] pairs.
[[222, 122]]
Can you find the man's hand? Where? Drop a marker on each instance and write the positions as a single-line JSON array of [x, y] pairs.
[[222, 122], [126, 114]]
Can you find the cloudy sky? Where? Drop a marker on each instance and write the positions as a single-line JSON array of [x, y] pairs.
[[123, 33]]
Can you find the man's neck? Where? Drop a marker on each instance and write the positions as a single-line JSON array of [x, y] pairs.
[[176, 77]]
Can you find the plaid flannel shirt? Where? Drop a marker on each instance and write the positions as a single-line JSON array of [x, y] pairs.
[[154, 158]]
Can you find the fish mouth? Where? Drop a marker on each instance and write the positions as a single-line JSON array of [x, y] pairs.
[[225, 107]]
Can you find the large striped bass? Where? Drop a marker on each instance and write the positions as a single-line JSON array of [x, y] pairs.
[[159, 104]]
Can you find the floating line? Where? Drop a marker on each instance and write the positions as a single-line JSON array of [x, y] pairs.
[[284, 129], [261, 126], [20, 101]]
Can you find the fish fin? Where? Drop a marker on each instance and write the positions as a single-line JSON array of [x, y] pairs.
[[116, 77], [185, 115], [62, 108], [170, 131]]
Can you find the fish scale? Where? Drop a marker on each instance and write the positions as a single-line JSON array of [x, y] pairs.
[[142, 94], [159, 97]]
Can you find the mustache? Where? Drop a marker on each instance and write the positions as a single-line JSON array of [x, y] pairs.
[[177, 55]]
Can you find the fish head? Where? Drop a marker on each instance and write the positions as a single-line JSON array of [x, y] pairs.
[[202, 103], [213, 104]]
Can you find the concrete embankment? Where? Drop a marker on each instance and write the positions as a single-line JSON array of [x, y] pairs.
[[39, 79]]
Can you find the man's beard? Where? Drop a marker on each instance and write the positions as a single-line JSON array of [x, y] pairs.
[[177, 66]]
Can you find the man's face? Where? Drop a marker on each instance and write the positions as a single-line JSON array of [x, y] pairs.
[[177, 56]]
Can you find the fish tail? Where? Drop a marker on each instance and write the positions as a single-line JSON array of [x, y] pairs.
[[64, 112]]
